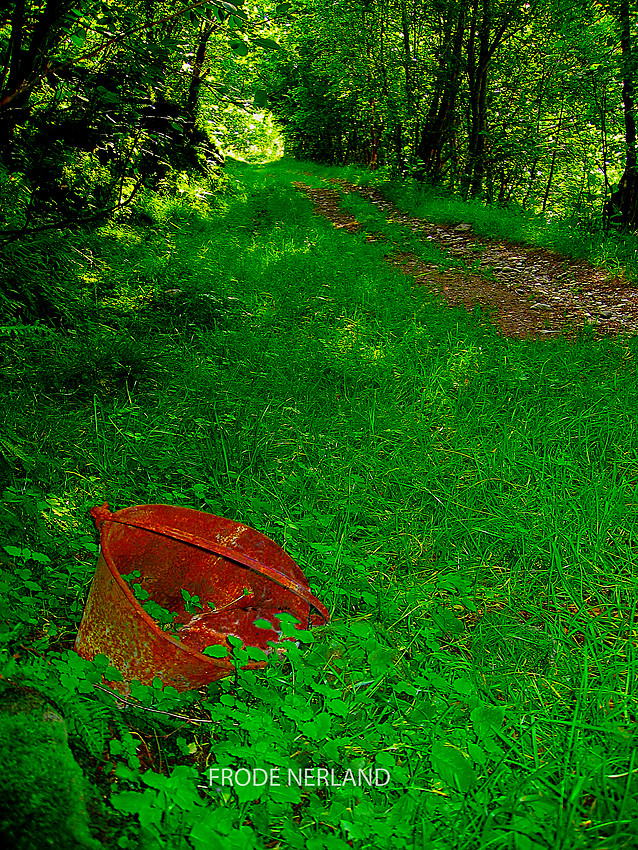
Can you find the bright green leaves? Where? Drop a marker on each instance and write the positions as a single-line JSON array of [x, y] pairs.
[[487, 720], [380, 661], [405, 688], [266, 43], [140, 593], [150, 803], [215, 651], [256, 654], [446, 621], [161, 615], [454, 764], [26, 554], [239, 47], [191, 602], [338, 706], [319, 727], [459, 586], [78, 37], [454, 768], [233, 10], [289, 629]]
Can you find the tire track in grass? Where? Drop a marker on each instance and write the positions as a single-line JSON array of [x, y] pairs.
[[528, 292]]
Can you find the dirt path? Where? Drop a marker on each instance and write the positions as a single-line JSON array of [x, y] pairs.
[[530, 292]]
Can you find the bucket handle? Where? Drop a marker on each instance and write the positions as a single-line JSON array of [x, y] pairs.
[[103, 514]]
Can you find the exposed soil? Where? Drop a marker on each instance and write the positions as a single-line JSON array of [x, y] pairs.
[[529, 292]]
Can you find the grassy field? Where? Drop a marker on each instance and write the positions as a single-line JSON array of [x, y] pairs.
[[465, 505]]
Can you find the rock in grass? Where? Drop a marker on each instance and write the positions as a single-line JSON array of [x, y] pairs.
[[42, 801]]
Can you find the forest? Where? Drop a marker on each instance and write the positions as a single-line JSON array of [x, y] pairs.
[[526, 104], [318, 322]]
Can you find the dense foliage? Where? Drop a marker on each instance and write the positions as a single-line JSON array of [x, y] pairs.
[[527, 103], [98, 100], [513, 101]]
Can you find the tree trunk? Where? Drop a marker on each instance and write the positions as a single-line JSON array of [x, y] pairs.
[[477, 72], [28, 64], [554, 153], [440, 119], [623, 205], [192, 100]]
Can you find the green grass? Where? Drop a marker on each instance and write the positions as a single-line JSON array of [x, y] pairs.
[[465, 506]]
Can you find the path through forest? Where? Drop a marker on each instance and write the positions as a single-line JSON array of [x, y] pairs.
[[530, 292]]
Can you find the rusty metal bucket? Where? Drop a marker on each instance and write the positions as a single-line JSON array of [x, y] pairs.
[[239, 575]]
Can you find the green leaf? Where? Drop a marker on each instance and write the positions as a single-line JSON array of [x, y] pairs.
[[256, 654], [338, 706], [127, 801], [260, 99], [248, 793], [477, 754], [381, 661], [447, 622], [40, 558], [113, 675], [288, 624], [203, 836], [405, 688], [262, 624], [360, 629], [78, 38], [486, 720], [463, 686], [452, 766], [318, 728], [268, 43], [215, 651], [239, 47]]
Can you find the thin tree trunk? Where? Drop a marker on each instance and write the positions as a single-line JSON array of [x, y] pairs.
[[554, 153], [440, 119], [624, 203], [196, 74], [478, 81]]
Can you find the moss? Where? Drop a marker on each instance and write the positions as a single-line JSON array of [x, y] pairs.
[[42, 802]]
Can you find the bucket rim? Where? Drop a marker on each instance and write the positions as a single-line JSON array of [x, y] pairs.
[[103, 514]]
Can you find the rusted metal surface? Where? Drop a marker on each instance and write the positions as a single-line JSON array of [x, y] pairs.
[[211, 557]]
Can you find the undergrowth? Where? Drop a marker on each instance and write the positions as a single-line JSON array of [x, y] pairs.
[[462, 503]]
